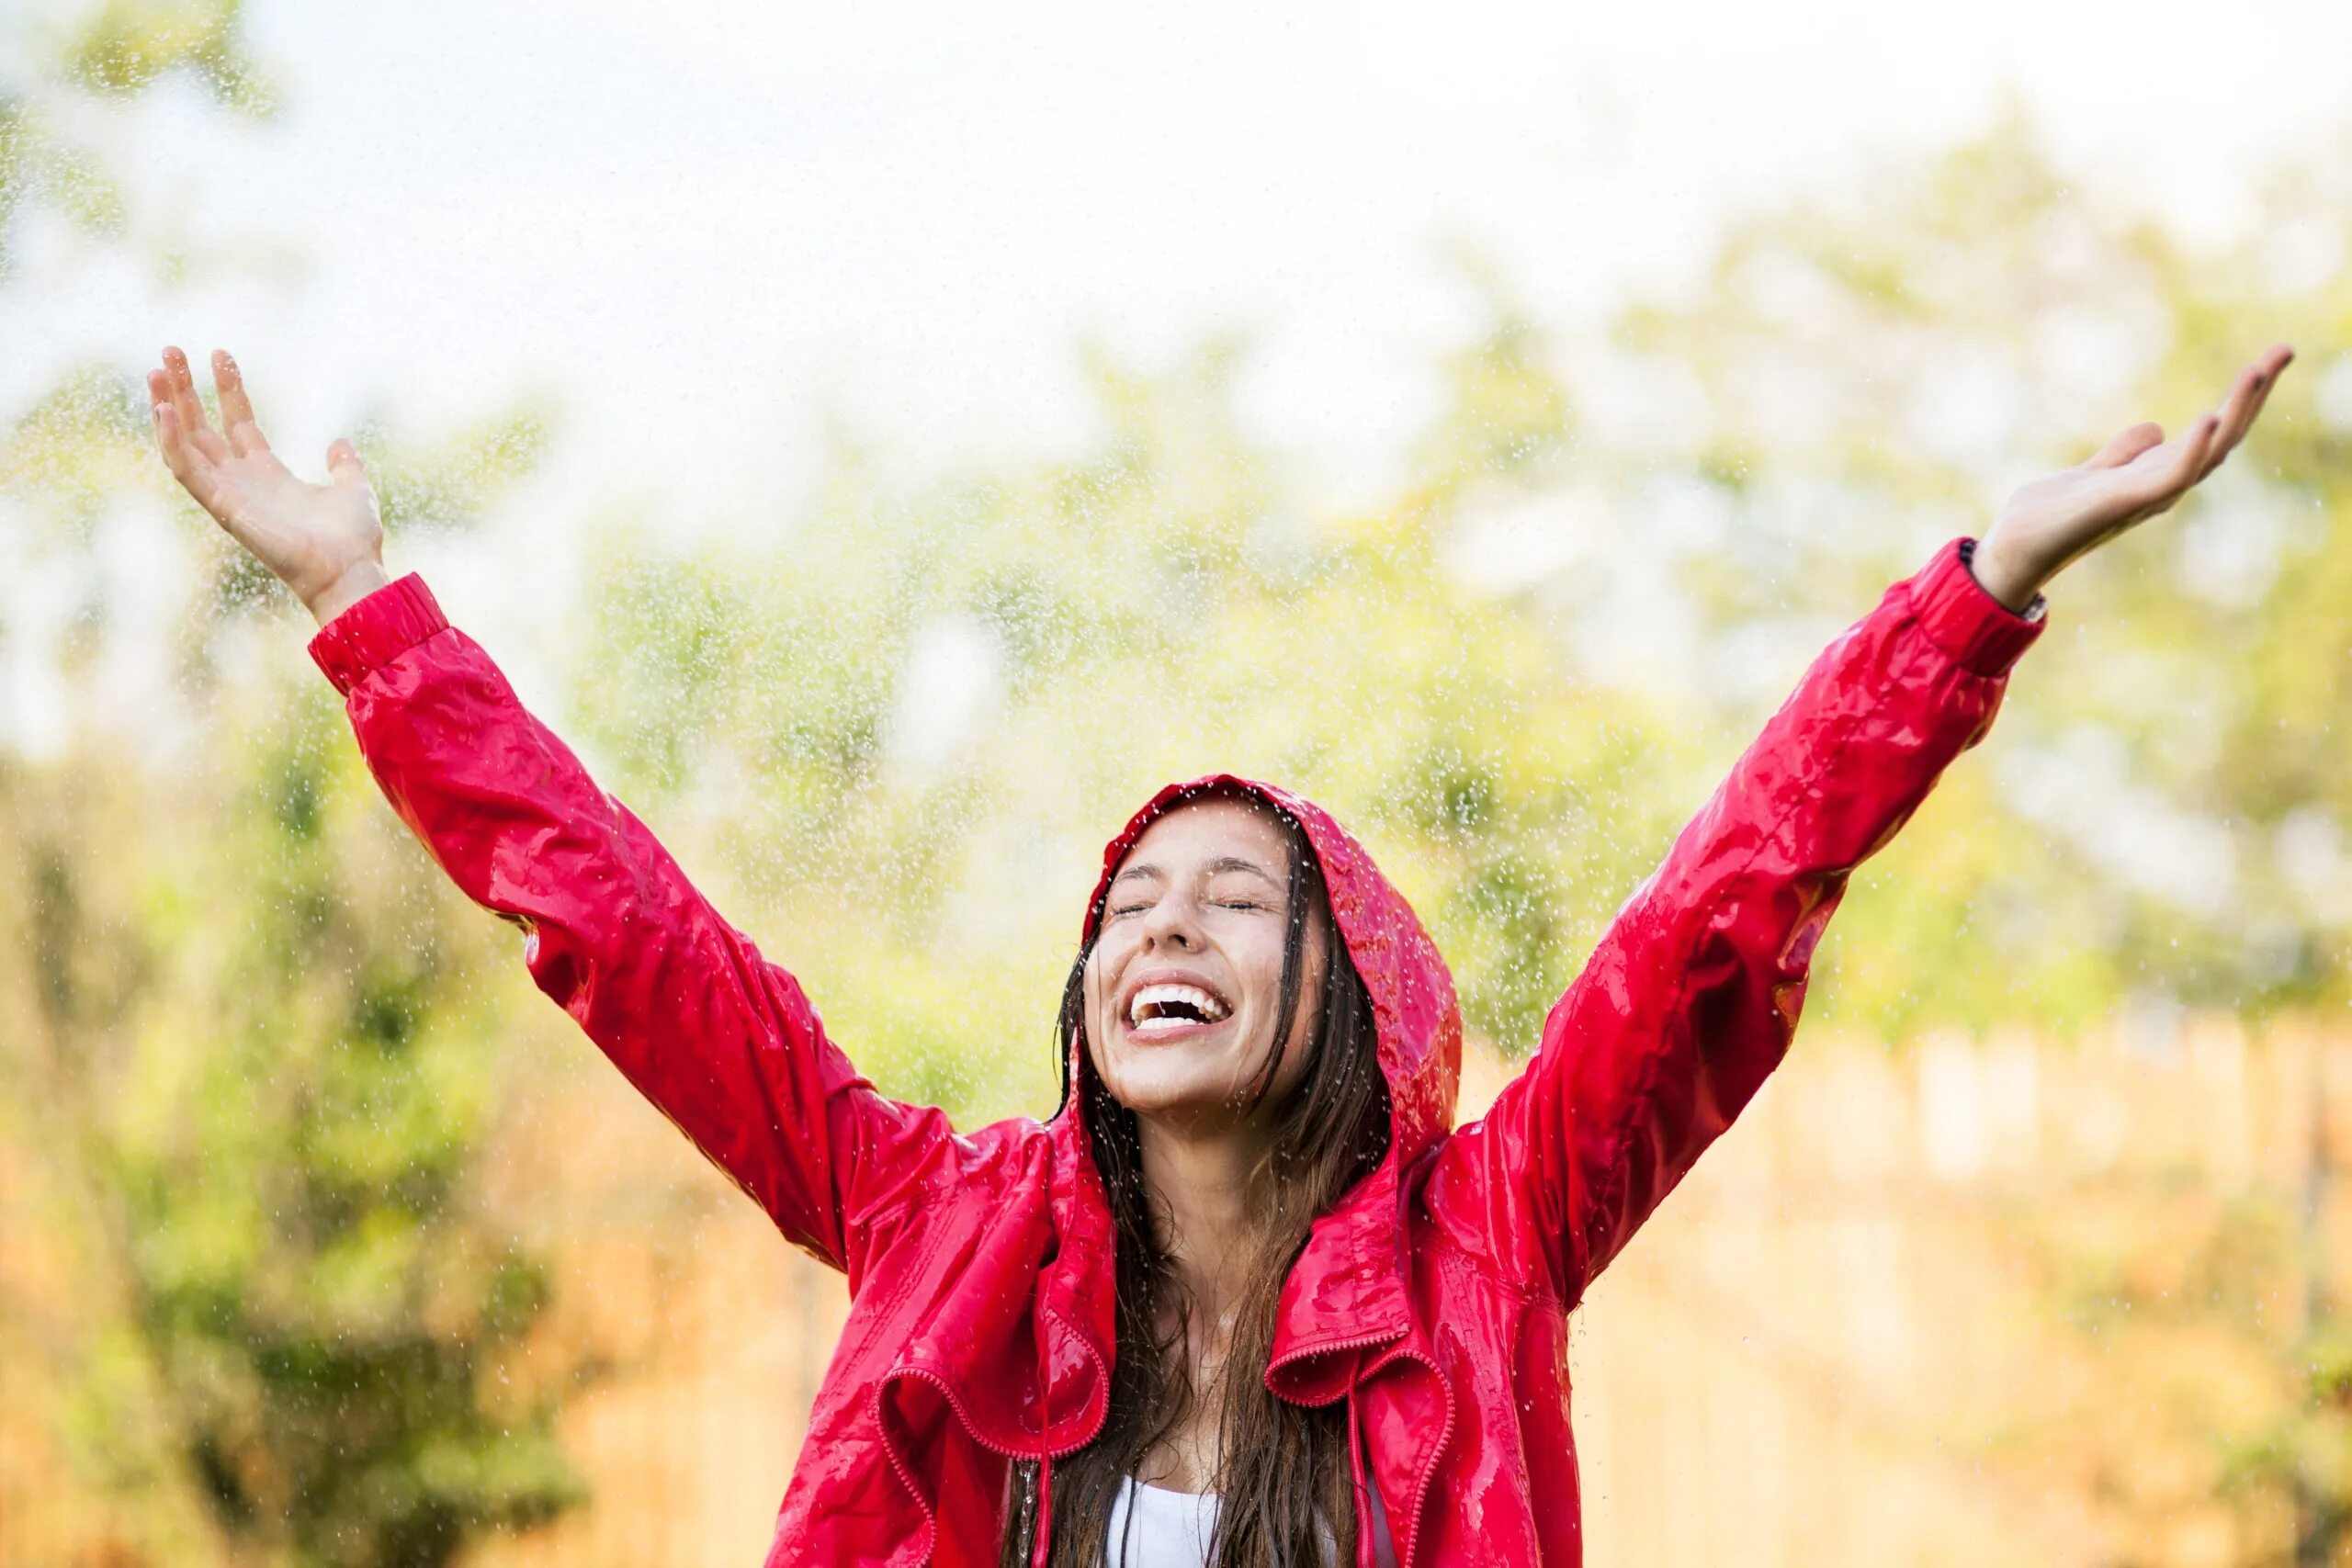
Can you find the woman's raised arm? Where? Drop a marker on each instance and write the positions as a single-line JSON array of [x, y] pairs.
[[723, 1041], [1694, 993]]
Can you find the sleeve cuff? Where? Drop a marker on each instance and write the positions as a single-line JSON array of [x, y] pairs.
[[1977, 630], [375, 629]]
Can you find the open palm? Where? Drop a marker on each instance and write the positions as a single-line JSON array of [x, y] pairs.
[[311, 536], [2062, 516]]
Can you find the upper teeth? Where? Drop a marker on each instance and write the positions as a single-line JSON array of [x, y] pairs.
[[1162, 997]]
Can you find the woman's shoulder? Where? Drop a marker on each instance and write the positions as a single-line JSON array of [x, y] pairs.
[[975, 1178], [975, 1165], [1457, 1235], [941, 1263]]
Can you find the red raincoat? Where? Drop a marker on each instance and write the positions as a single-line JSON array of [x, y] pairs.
[[1434, 1299]]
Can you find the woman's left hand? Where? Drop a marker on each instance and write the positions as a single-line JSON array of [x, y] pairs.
[[2055, 519]]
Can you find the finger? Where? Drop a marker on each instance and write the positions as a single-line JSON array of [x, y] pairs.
[[345, 466], [2128, 446], [159, 388], [236, 408], [195, 476], [182, 385], [195, 429], [2177, 475], [2234, 414], [2255, 391], [2272, 364], [168, 432]]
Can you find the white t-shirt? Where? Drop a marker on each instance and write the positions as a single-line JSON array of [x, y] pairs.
[[1172, 1529]]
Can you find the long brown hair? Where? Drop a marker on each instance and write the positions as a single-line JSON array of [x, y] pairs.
[[1280, 1468]]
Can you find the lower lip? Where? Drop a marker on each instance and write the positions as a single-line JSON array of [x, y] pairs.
[[1177, 1034]]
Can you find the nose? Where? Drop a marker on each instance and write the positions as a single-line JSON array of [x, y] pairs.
[[1173, 920]]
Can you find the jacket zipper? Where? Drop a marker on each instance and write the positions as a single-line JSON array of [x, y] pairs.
[[1333, 1347], [1428, 1466], [1360, 1342], [956, 1403]]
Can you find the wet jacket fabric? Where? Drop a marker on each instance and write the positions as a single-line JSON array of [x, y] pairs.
[[1433, 1300]]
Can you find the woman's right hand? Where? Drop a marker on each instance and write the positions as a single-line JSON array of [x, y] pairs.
[[324, 542]]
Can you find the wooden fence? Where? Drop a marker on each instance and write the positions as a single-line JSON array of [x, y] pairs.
[[1994, 1301]]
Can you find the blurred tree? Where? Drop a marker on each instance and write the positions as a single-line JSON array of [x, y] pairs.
[[1865, 375], [273, 1056], [114, 50], [1148, 612], [2160, 825], [899, 741], [261, 1060]]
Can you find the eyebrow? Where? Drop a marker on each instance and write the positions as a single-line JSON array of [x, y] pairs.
[[1222, 862]]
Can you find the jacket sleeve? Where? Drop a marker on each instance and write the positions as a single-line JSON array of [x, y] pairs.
[[724, 1042], [1692, 995]]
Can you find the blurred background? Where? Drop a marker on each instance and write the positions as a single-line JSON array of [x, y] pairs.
[[888, 447]]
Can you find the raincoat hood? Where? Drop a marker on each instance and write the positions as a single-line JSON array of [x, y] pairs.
[[1349, 1286], [1420, 1024]]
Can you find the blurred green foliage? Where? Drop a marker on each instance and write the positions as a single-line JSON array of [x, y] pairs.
[[257, 1059], [2161, 816], [263, 1041], [268, 1055], [125, 47], [2158, 823], [112, 49]]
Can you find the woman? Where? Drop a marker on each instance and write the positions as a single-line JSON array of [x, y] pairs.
[[1232, 1303]]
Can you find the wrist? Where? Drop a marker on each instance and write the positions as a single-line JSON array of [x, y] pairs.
[[355, 583], [2002, 578]]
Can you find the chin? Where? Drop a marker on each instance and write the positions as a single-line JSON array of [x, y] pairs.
[[1171, 1087]]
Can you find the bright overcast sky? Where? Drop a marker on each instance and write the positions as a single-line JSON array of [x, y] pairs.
[[699, 221]]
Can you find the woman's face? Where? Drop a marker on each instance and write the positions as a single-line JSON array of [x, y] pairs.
[[1185, 980]]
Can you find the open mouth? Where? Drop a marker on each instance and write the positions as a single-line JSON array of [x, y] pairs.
[[1158, 1012]]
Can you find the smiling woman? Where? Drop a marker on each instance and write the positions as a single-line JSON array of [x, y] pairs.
[[1249, 1260]]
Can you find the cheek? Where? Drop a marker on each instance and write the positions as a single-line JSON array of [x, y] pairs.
[[1091, 1011], [1095, 1012], [1310, 1011]]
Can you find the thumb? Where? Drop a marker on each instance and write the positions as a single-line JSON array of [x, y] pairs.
[[2128, 446], [343, 465]]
